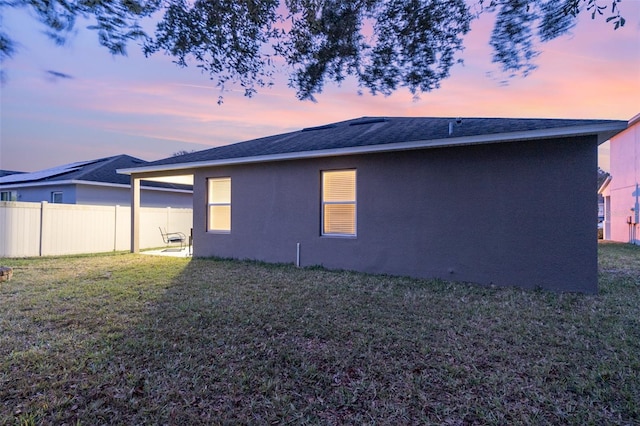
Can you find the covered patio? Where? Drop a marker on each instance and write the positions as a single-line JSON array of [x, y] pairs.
[[138, 175]]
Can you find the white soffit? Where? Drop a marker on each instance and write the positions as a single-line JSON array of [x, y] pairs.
[[178, 179]]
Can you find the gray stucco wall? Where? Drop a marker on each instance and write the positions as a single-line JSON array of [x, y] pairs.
[[519, 214]]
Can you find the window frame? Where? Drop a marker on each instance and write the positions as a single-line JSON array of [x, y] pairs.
[[353, 202], [218, 204], [54, 195], [9, 195]]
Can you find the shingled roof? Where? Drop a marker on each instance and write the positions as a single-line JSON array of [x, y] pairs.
[[102, 170], [8, 172], [375, 134]]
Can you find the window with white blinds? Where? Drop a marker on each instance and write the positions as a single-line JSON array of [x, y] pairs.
[[339, 202], [219, 204]]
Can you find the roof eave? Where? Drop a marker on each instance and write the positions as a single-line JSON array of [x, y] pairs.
[[604, 185], [604, 131], [90, 183]]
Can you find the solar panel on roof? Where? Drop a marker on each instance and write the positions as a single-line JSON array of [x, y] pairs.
[[44, 174]]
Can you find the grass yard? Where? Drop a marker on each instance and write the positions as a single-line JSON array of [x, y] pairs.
[[131, 339]]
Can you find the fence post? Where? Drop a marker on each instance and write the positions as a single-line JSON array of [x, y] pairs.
[[115, 227], [43, 207], [135, 214]]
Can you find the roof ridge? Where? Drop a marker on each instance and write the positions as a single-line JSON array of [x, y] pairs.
[[95, 165], [101, 167]]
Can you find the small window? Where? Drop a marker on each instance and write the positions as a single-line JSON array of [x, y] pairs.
[[219, 203], [8, 196], [339, 203], [56, 197]]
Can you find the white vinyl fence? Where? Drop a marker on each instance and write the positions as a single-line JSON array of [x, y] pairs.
[[43, 229]]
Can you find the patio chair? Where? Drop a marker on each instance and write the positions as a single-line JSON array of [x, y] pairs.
[[173, 237]]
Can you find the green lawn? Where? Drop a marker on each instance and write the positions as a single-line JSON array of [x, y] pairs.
[[132, 339]]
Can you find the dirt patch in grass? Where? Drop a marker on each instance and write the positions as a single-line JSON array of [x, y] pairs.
[[127, 339]]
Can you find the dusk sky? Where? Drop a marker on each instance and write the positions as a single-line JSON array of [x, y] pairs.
[[150, 108]]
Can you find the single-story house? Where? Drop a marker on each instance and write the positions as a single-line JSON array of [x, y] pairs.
[[8, 172], [495, 201], [621, 190], [93, 182]]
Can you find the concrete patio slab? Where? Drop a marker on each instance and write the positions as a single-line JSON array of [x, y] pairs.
[[169, 252]]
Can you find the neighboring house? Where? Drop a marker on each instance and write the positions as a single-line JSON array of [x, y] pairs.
[[600, 210], [8, 195], [8, 172], [91, 182], [621, 190], [491, 201]]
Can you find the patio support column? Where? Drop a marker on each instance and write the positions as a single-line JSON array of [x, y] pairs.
[[135, 214]]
